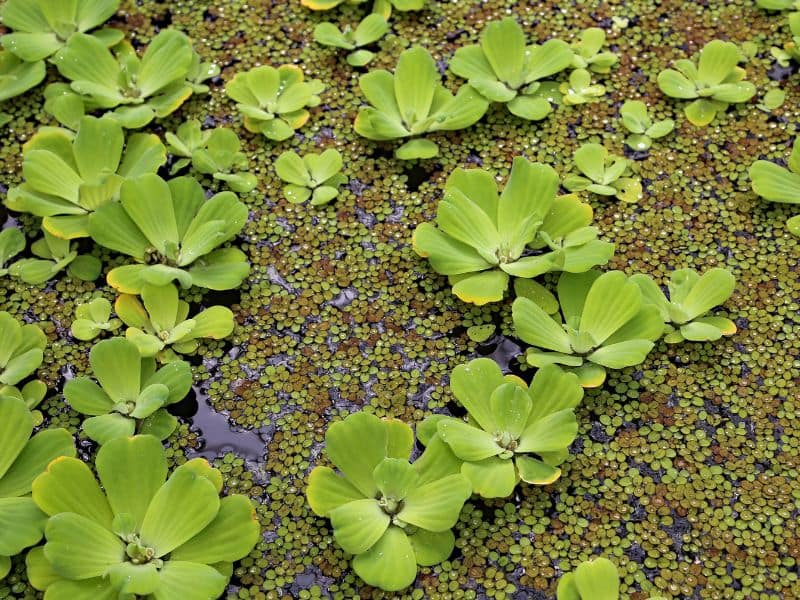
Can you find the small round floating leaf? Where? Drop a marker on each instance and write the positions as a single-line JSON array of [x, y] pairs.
[[480, 333]]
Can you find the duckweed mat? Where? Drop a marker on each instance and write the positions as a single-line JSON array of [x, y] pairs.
[[685, 469]]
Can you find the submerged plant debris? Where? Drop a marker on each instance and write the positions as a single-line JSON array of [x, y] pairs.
[[685, 468]]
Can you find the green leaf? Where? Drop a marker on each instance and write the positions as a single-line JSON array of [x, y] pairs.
[[229, 537], [145, 200], [189, 581], [328, 34], [394, 477], [86, 60], [676, 85], [647, 324], [551, 433], [533, 109], [492, 477], [481, 288], [611, 302], [741, 91], [222, 269], [88, 398], [775, 183], [180, 509], [717, 60], [100, 549], [16, 425], [548, 59], [98, 147], [323, 166], [160, 424], [166, 60], [524, 203], [358, 525], [435, 506], [22, 523], [12, 242], [390, 563], [356, 445], [40, 450], [535, 471], [144, 153], [597, 579], [701, 112], [437, 460], [447, 255], [130, 578], [431, 548], [131, 469], [536, 292], [591, 161], [110, 226], [535, 327], [327, 491], [292, 169], [712, 289], [470, 62], [370, 29], [85, 268], [622, 354], [417, 149], [116, 366], [503, 45], [634, 116], [473, 384], [415, 80], [660, 129], [510, 407], [105, 428], [468, 442], [552, 390], [480, 333]]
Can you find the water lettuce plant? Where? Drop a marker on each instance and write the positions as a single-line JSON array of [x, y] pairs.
[[691, 297], [150, 536], [17, 77], [12, 242], [129, 395], [715, 82], [22, 459], [643, 129], [580, 89], [514, 432], [52, 256], [595, 579], [381, 7], [412, 102], [315, 176], [778, 184], [92, 319], [70, 175], [587, 51], [604, 174], [173, 233], [504, 68], [274, 101], [159, 324], [42, 27], [604, 322], [216, 152], [791, 49], [369, 30], [139, 89], [391, 515], [21, 353], [481, 238]]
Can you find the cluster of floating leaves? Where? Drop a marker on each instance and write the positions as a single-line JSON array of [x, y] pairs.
[[685, 470]]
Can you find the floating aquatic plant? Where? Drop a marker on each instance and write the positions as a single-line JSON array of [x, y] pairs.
[[129, 395], [174, 233], [715, 82], [391, 515], [42, 27], [604, 323], [691, 297], [139, 89], [159, 324], [92, 319], [54, 255], [12, 242], [216, 152], [504, 68], [70, 175], [150, 536], [17, 77], [514, 432], [777, 184], [22, 459], [412, 102], [368, 31], [21, 353], [580, 89], [643, 129], [315, 176], [481, 238], [274, 101], [604, 174], [791, 49], [587, 52], [381, 7], [595, 579]]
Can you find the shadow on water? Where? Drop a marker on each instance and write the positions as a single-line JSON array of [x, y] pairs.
[[217, 434]]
